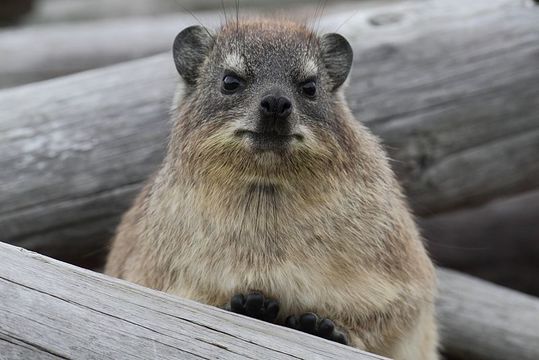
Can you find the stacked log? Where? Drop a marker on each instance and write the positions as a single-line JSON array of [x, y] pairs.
[[498, 241], [457, 112]]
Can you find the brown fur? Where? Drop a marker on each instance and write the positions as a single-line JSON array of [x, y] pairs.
[[323, 228]]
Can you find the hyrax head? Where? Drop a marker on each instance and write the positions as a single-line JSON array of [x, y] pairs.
[[261, 97]]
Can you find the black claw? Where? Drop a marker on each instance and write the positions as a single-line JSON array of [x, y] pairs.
[[312, 324], [255, 305], [272, 309], [237, 304], [308, 322], [326, 328]]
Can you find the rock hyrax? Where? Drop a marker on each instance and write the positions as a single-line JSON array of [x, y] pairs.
[[274, 202]]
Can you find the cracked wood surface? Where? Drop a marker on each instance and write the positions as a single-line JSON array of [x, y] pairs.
[[456, 110], [50, 309]]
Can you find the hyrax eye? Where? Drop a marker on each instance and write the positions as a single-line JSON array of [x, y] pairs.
[[231, 84], [309, 88]]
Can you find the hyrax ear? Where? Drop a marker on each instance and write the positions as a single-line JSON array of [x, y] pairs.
[[191, 46], [337, 55]]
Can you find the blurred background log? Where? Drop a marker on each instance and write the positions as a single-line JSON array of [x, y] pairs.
[[44, 12], [456, 110], [69, 48], [53, 11], [498, 241]]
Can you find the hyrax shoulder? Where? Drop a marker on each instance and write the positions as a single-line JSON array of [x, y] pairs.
[[271, 186]]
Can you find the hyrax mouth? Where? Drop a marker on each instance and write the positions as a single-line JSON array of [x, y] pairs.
[[268, 140]]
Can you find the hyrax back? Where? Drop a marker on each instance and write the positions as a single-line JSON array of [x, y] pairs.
[[271, 185]]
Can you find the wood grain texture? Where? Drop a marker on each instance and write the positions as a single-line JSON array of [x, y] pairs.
[[75, 155], [498, 242], [67, 48], [50, 309], [457, 112], [483, 321]]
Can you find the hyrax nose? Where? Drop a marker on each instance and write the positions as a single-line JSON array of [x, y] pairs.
[[278, 107]]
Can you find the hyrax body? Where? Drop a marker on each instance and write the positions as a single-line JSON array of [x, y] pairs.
[[270, 185]]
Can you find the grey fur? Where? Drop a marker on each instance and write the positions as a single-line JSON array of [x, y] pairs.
[[190, 48], [338, 57]]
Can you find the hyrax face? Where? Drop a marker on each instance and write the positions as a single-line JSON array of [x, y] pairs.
[[261, 97]]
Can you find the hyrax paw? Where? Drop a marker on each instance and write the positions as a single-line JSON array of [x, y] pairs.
[[315, 325], [255, 305]]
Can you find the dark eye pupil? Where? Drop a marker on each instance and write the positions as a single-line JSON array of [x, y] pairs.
[[309, 88], [230, 83]]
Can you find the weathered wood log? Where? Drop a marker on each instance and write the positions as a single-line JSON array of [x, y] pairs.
[[54, 11], [68, 48], [49, 309], [457, 111], [479, 320], [498, 242]]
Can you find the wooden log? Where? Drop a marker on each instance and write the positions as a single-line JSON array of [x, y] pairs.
[[54, 11], [498, 242], [49, 309], [479, 320], [456, 110], [67, 177], [68, 48], [427, 79]]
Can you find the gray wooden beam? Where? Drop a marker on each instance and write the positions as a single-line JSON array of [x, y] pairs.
[[479, 320], [497, 242], [54, 11], [49, 309], [36, 53]]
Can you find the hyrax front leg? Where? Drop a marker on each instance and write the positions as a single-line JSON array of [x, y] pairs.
[[254, 305], [315, 325]]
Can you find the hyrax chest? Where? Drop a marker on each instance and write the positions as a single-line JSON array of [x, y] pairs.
[[307, 257], [258, 246]]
